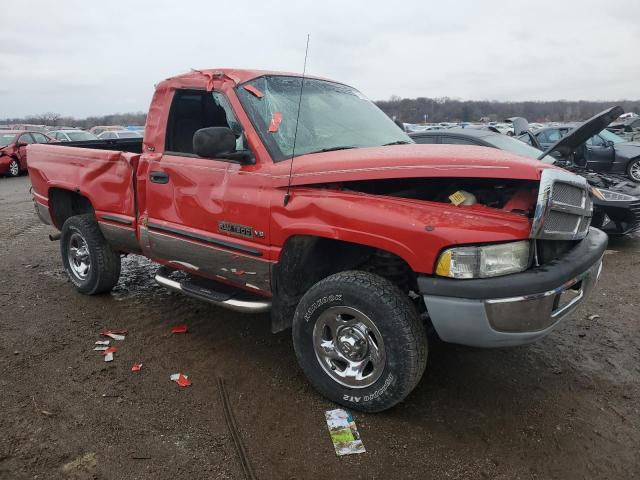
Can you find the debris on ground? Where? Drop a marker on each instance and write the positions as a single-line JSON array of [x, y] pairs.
[[136, 367], [181, 379], [610, 252], [102, 342], [101, 348], [344, 433], [593, 317], [114, 334], [179, 329], [108, 354]]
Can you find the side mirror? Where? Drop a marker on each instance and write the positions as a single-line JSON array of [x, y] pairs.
[[219, 142], [21, 144], [212, 141], [608, 143]]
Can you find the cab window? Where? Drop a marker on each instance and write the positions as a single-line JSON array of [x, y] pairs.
[[192, 110], [40, 138], [25, 138]]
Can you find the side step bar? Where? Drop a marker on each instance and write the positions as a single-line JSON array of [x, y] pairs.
[[232, 301]]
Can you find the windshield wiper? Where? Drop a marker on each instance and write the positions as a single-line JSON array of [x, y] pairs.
[[399, 142], [331, 149]]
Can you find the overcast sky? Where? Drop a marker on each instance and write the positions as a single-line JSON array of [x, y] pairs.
[[83, 58]]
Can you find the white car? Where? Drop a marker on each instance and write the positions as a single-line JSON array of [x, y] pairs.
[[113, 134], [72, 135]]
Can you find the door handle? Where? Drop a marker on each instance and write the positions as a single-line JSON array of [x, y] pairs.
[[159, 177]]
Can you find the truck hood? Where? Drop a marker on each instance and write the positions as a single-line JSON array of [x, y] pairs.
[[407, 161]]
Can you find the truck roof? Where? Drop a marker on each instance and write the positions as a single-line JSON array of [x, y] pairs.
[[238, 76]]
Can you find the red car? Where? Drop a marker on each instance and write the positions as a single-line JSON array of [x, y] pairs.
[[353, 236], [13, 149]]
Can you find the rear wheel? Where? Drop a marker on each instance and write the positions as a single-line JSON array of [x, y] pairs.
[[360, 341], [14, 168], [633, 170], [92, 265]]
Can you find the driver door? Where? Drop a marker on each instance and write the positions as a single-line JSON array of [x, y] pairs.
[[23, 140], [206, 215], [599, 154]]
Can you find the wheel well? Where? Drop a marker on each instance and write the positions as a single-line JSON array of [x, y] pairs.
[[305, 260], [65, 204]]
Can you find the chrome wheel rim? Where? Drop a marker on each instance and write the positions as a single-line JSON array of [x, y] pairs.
[[349, 347], [14, 168], [634, 171], [78, 256]]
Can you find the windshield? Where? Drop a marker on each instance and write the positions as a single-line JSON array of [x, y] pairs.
[[607, 135], [79, 135], [6, 139], [332, 116], [512, 145]]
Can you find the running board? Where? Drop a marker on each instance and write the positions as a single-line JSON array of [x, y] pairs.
[[199, 289]]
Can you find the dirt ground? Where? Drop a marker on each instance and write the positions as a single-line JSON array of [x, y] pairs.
[[564, 408]]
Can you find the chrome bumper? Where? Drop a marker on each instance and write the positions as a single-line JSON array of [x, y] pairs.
[[501, 322]]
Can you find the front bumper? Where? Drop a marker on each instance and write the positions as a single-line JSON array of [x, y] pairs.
[[514, 309]]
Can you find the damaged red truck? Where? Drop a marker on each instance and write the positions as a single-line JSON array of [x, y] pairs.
[[379, 243]]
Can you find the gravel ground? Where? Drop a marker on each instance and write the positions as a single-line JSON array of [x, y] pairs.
[[566, 407]]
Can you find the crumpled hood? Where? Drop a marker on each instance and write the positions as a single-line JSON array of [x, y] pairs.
[[407, 161]]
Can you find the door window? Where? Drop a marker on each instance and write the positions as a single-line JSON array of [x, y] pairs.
[[596, 141], [40, 138], [192, 110], [26, 138]]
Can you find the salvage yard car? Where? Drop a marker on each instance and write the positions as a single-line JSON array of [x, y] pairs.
[[13, 150], [603, 152], [355, 237]]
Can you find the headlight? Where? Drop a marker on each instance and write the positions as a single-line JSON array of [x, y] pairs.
[[612, 196], [484, 261]]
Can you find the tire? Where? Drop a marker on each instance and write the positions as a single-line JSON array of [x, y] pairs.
[[92, 265], [367, 317], [633, 170], [14, 168]]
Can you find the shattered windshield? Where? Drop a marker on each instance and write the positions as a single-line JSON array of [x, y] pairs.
[[332, 116]]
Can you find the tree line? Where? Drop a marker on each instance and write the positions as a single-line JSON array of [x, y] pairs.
[[408, 110], [415, 110], [57, 120]]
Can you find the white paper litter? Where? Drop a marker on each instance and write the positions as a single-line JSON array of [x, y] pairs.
[[108, 357], [101, 348], [103, 342]]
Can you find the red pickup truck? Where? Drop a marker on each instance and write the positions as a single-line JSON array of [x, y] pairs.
[[376, 243]]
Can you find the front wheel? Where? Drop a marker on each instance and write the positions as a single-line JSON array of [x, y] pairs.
[[14, 168], [360, 341], [92, 265], [633, 170]]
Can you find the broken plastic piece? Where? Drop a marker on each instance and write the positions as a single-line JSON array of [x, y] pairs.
[[181, 379], [593, 317], [102, 342], [344, 434], [101, 348], [254, 90], [276, 120], [136, 367], [179, 329], [115, 334], [110, 350], [108, 357]]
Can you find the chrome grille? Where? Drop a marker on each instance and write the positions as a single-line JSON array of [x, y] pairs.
[[564, 207], [568, 194]]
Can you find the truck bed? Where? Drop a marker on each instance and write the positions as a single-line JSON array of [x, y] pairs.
[[100, 170], [133, 145]]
